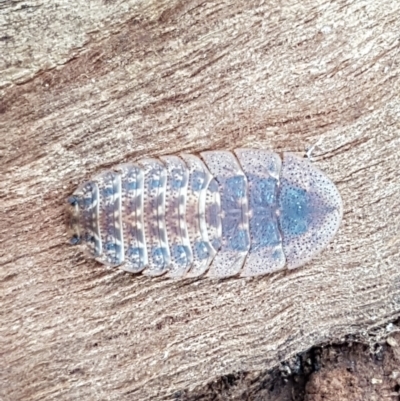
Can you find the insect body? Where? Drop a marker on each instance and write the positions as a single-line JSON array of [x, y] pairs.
[[220, 214]]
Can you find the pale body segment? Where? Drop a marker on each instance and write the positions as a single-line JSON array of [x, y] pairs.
[[200, 200], [232, 187], [220, 214]]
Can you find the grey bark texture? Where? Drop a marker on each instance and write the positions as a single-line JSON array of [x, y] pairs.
[[85, 85]]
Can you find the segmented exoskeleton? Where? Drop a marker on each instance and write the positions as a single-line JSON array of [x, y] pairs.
[[219, 214]]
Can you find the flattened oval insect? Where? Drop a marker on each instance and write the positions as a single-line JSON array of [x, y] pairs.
[[219, 214]]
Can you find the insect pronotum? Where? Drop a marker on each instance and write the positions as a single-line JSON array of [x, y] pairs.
[[219, 214]]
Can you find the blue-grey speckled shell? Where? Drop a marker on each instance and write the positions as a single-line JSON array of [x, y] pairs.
[[219, 214]]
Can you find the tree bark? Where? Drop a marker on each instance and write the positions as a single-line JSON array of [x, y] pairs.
[[86, 85]]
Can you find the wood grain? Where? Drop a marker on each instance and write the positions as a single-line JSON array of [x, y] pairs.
[[86, 85]]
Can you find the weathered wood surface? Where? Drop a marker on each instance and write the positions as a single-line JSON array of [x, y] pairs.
[[85, 85]]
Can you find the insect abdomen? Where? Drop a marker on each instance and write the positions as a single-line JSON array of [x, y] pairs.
[[222, 213]]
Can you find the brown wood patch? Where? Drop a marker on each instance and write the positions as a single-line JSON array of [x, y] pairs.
[[87, 85]]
